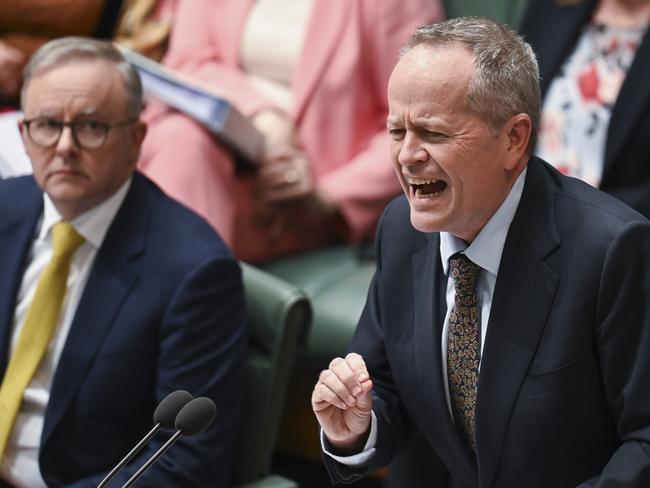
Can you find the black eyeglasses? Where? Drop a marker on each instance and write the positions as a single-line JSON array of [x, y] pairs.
[[87, 134]]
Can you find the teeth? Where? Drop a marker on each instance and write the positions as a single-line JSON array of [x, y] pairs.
[[420, 181], [420, 194]]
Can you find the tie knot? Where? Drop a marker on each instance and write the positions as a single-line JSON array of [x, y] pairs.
[[65, 239], [464, 272]]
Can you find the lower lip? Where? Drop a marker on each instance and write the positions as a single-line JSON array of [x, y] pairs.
[[66, 173]]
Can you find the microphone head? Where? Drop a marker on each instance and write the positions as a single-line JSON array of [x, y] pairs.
[[196, 416], [168, 408]]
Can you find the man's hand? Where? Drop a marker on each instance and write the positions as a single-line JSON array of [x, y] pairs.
[[342, 403]]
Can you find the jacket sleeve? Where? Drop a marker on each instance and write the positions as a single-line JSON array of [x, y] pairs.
[[623, 342], [394, 426]]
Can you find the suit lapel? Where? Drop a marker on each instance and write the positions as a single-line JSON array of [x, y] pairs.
[[17, 231], [631, 103], [429, 285], [521, 304], [114, 272], [324, 35]]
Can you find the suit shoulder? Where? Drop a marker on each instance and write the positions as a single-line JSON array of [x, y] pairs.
[[578, 200], [177, 227], [587, 215], [395, 230], [17, 187], [397, 216]]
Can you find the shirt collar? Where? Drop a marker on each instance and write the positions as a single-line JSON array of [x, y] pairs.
[[92, 224], [487, 247]]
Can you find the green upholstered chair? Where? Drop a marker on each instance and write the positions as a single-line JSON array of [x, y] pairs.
[[336, 281], [279, 321], [508, 11]]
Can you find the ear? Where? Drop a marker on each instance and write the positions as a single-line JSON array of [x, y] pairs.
[[139, 131], [136, 133], [516, 133]]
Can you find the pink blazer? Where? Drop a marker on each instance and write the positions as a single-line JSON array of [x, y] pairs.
[[339, 86]]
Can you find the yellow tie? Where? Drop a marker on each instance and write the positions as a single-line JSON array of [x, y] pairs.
[[40, 322]]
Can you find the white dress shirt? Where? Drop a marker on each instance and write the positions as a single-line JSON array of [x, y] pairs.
[[20, 463], [13, 158], [485, 250]]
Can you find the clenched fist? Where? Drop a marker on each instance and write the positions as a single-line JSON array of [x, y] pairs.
[[342, 402]]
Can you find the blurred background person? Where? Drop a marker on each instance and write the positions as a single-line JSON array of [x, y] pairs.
[[25, 25], [312, 76], [594, 66]]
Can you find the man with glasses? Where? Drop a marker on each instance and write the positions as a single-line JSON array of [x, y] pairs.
[[112, 295]]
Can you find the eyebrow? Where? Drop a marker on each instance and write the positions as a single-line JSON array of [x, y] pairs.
[[52, 113]]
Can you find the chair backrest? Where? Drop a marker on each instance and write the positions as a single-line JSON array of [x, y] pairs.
[[508, 11], [279, 320]]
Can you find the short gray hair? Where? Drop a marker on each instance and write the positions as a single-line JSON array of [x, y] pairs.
[[506, 75], [67, 50]]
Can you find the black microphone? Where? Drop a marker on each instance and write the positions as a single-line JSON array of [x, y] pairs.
[[164, 417], [192, 419]]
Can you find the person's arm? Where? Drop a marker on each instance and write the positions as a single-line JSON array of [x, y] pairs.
[[347, 429], [623, 342], [201, 350], [51, 18], [12, 62]]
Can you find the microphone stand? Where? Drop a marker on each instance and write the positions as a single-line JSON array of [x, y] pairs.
[[130, 455], [153, 459]]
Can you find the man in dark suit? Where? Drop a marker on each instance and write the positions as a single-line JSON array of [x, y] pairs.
[[507, 328], [152, 299]]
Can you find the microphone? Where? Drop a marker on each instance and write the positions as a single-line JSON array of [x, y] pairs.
[[164, 417], [192, 419]]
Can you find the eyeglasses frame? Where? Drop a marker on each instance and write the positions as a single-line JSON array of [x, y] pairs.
[[71, 125]]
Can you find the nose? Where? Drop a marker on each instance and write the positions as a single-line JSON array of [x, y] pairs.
[[411, 150], [66, 144]]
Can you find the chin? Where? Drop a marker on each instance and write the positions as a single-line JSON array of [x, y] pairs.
[[425, 223]]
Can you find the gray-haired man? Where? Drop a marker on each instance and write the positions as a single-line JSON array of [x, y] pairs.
[[112, 295], [508, 322]]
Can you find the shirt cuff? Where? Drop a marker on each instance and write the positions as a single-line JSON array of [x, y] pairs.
[[362, 458]]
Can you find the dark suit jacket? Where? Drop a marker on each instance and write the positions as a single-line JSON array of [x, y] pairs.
[[162, 310], [563, 395], [553, 31]]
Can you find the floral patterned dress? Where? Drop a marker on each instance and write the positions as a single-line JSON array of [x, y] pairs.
[[578, 105]]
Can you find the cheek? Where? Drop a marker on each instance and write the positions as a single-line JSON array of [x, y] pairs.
[[39, 161]]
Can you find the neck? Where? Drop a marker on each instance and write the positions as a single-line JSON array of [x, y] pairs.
[[623, 13]]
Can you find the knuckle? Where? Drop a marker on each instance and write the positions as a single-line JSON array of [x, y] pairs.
[[334, 362], [326, 373]]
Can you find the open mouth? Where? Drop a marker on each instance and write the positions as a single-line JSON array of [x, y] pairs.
[[422, 188]]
